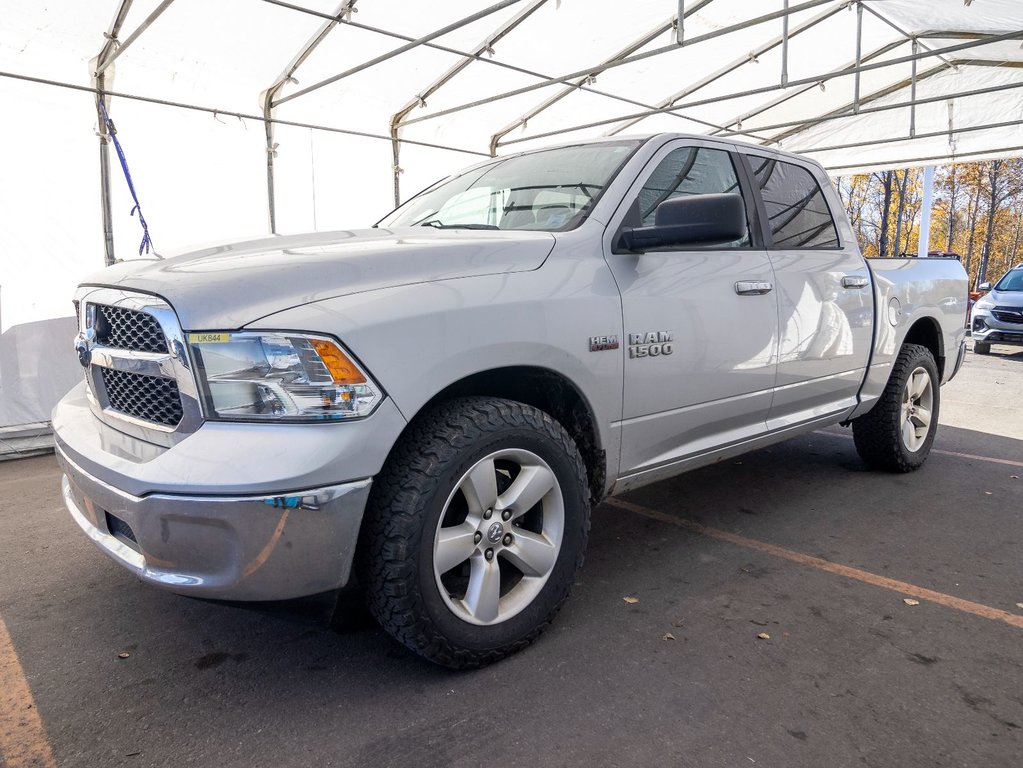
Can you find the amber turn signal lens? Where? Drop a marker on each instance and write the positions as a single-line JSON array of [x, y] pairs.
[[341, 369]]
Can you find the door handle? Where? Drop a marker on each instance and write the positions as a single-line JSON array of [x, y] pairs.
[[854, 281], [753, 287]]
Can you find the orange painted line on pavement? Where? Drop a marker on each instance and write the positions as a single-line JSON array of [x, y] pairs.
[[991, 459], [22, 736], [1008, 462], [902, 587]]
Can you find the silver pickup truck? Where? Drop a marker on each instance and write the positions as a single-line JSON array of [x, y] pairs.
[[435, 404]]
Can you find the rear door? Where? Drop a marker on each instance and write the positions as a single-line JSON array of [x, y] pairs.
[[823, 289], [700, 355]]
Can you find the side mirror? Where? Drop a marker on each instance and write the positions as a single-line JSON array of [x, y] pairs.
[[984, 287], [694, 220]]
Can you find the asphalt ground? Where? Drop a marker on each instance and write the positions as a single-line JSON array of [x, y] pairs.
[[799, 542]]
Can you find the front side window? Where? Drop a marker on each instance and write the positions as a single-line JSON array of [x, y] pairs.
[[796, 209], [690, 171], [552, 190]]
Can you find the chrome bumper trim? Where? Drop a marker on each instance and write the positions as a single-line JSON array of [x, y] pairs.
[[266, 547]]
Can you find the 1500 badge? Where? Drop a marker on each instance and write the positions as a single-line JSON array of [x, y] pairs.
[[651, 344]]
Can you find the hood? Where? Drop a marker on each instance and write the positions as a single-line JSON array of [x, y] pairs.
[[228, 286], [1011, 298]]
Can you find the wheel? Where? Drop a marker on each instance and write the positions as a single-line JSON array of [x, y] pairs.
[[981, 348], [475, 530], [896, 434]]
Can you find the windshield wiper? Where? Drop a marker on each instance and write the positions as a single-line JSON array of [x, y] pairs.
[[437, 224]]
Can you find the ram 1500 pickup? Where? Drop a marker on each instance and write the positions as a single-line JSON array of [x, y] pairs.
[[436, 403]]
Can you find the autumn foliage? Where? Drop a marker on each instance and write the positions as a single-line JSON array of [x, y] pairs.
[[977, 213]]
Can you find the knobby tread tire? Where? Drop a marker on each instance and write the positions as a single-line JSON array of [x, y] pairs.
[[878, 433], [981, 348], [397, 519]]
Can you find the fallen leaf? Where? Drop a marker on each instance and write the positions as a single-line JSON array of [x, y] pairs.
[[910, 601], [123, 655], [1014, 477], [631, 600], [1019, 605], [668, 636], [988, 493], [763, 636]]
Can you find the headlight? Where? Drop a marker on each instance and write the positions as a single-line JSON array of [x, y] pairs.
[[984, 303], [280, 376]]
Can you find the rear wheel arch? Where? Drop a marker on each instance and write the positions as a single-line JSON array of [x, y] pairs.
[[927, 333]]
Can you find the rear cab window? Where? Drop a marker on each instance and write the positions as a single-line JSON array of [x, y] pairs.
[[797, 211]]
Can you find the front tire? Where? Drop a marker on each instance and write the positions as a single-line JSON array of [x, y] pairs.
[[897, 433], [982, 348], [475, 530]]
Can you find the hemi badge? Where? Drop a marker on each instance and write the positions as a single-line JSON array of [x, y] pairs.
[[600, 343], [209, 338]]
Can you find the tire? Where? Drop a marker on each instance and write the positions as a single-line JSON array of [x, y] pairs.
[[981, 348], [897, 433], [457, 583]]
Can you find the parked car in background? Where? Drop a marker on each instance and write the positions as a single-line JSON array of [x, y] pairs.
[[998, 316]]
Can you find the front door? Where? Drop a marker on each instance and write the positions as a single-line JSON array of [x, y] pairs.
[[700, 322]]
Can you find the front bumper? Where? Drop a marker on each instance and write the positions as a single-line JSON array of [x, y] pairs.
[[226, 547], [232, 511], [989, 330]]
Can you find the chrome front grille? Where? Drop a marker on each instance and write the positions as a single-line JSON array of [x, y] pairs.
[[1008, 314], [129, 329], [138, 371], [150, 398]]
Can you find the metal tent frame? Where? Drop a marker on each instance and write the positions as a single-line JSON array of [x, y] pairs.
[[898, 93]]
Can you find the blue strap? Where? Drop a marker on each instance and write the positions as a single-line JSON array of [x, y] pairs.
[[147, 241]]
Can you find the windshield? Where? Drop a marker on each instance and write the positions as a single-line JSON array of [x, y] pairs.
[[551, 190], [1011, 281]]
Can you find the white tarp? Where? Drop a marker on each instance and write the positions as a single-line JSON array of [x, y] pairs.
[[537, 72]]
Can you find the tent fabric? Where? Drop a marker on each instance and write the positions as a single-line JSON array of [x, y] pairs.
[[370, 98]]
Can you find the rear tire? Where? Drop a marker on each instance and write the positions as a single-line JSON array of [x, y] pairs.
[[897, 433], [981, 348], [475, 530]]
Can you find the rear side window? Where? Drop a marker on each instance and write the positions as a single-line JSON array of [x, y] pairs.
[[689, 171], [796, 209]]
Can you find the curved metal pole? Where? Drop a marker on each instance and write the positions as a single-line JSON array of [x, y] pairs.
[[438, 83], [342, 12], [107, 60], [814, 80], [629, 60], [573, 86], [734, 65], [400, 50]]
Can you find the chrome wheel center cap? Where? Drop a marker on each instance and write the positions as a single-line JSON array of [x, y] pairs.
[[495, 532]]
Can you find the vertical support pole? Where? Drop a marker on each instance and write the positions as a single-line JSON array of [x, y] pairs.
[[271, 151], [102, 75], [680, 22], [104, 177], [785, 45], [859, 57], [396, 167], [925, 212], [912, 94]]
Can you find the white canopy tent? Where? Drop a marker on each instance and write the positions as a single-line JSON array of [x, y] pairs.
[[245, 116]]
